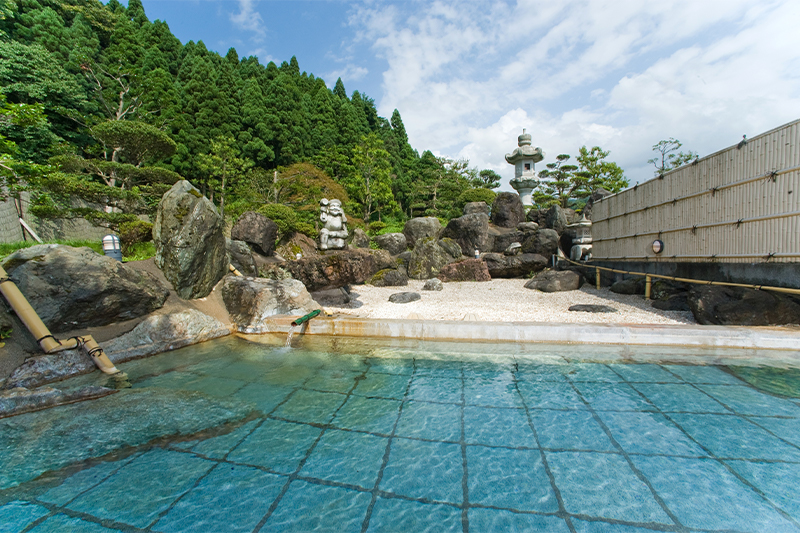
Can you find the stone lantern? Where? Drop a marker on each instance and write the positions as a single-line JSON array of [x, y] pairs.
[[524, 158], [582, 243]]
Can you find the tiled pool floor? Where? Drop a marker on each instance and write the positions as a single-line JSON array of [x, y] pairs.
[[410, 444]]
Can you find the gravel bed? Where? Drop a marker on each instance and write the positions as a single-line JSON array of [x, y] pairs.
[[505, 300]]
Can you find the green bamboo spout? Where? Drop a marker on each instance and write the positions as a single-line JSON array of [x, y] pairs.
[[307, 317]]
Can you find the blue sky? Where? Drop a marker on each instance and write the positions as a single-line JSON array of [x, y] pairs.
[[468, 75]]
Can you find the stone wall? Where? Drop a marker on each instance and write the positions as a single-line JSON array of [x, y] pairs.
[[57, 229]]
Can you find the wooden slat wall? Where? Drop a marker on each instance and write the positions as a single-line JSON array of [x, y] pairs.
[[625, 224]]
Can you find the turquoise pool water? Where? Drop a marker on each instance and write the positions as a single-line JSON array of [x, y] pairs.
[[240, 436]]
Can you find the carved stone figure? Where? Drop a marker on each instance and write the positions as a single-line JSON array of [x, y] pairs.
[[334, 230]]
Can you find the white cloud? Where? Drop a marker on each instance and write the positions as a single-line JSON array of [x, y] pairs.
[[248, 19], [348, 73], [467, 76]]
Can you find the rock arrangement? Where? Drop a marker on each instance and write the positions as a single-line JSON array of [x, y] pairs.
[[75, 288], [190, 245]]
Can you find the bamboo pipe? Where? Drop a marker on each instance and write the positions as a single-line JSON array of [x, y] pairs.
[[50, 344]]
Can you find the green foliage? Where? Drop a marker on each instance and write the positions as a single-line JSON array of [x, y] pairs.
[[223, 167], [667, 160], [599, 172], [371, 186], [487, 179], [15, 171], [133, 233], [139, 251], [136, 142], [476, 195], [287, 220], [376, 227]]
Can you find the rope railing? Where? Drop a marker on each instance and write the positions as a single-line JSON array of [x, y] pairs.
[[649, 280]]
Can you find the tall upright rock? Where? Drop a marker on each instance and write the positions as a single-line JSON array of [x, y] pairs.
[[190, 244]]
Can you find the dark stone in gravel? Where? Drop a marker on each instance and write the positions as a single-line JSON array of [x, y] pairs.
[[404, 297], [592, 308]]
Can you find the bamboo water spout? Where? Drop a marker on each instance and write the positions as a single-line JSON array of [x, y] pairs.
[[50, 344]]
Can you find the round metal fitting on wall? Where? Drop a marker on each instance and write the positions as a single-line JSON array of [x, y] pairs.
[[658, 246]]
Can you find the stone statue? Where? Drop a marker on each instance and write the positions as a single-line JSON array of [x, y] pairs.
[[334, 230]]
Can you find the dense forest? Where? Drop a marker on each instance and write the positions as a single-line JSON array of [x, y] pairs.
[[99, 103]]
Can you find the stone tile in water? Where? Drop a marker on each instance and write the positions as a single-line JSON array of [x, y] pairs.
[[779, 481], [748, 401], [262, 396], [62, 523], [703, 374], [230, 498], [613, 397], [649, 433], [645, 373], [787, 429], [511, 479], [277, 445], [489, 370], [214, 386], [391, 366], [497, 520], [432, 367], [429, 470], [17, 515], [733, 437], [169, 380], [82, 481], [703, 494], [287, 375], [383, 385], [218, 447], [434, 389], [496, 392], [604, 486], [347, 457], [308, 507], [498, 427], [680, 398], [375, 415], [543, 372], [598, 526], [570, 430], [592, 372], [549, 395], [433, 421], [225, 367], [332, 381], [143, 488], [391, 515], [310, 407]]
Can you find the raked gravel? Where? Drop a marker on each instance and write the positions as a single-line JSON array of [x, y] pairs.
[[505, 300]]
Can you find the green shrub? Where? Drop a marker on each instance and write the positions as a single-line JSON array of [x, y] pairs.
[[139, 251], [132, 233], [376, 227], [287, 220], [476, 195]]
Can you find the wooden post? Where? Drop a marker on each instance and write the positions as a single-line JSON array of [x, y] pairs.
[[597, 277], [648, 282]]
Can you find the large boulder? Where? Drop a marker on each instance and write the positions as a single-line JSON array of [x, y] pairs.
[[242, 257], [430, 255], [337, 268], [543, 242], [256, 230], [738, 306], [507, 210], [504, 237], [295, 244], [250, 301], [470, 208], [394, 243], [76, 288], [471, 232], [556, 218], [556, 281], [466, 270], [388, 277], [629, 286], [421, 228], [597, 195], [515, 266], [539, 216], [358, 239], [190, 243]]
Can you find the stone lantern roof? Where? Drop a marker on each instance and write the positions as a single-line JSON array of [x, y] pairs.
[[525, 150]]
